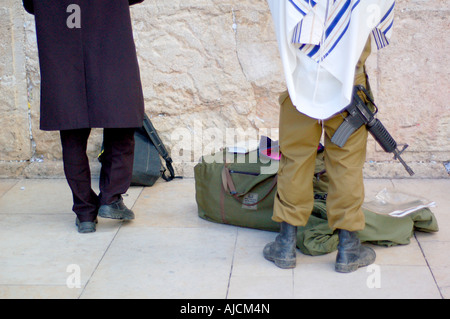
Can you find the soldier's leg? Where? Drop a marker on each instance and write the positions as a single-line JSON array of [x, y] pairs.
[[299, 140]]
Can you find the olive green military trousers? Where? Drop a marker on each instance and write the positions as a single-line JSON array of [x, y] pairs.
[[299, 139]]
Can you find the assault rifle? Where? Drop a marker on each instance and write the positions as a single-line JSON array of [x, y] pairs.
[[360, 114]]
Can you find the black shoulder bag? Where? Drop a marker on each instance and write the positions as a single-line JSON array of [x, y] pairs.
[[147, 168], [148, 150]]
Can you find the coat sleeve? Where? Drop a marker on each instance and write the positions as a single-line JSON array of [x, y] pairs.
[[131, 2], [28, 5]]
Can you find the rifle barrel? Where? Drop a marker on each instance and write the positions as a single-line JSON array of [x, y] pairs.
[[408, 169]]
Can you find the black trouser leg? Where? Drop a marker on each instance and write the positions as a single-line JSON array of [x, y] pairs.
[[78, 174], [117, 164]]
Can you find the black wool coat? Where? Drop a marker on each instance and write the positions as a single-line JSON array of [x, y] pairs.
[[89, 69]]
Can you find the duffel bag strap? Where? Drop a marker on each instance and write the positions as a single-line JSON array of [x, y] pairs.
[[227, 181], [229, 187]]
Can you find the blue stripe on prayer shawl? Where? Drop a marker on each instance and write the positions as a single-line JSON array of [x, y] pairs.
[[297, 33], [389, 27], [297, 7], [311, 1], [342, 33], [388, 13], [341, 13], [380, 38], [376, 36], [311, 50], [338, 18], [337, 41], [380, 35]]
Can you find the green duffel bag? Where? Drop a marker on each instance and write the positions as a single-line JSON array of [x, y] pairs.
[[233, 189], [239, 189]]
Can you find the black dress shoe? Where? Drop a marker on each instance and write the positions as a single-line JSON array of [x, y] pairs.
[[116, 210], [86, 227]]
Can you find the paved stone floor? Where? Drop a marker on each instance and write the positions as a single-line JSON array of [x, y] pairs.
[[169, 252]]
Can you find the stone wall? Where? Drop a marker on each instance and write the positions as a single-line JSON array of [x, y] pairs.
[[211, 75]]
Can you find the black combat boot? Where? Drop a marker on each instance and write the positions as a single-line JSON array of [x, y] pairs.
[[351, 254], [282, 250]]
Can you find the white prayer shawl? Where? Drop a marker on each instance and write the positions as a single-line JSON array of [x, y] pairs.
[[320, 59]]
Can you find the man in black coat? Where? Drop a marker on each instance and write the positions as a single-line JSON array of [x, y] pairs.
[[90, 79]]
